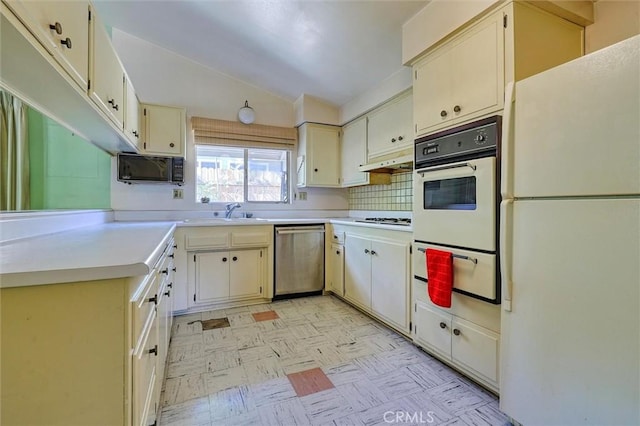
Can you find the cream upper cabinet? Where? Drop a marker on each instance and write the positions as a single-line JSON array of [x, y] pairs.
[[107, 75], [318, 162], [461, 80], [131, 113], [464, 78], [389, 127], [63, 29], [164, 130], [354, 153]]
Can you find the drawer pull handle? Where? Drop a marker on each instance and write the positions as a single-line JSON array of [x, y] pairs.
[[154, 350], [443, 325], [153, 299], [235, 258], [224, 259], [57, 27], [66, 42], [456, 331]]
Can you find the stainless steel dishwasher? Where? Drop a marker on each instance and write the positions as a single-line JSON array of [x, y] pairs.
[[299, 258]]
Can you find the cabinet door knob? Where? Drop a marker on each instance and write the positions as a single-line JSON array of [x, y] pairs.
[[165, 271], [224, 259], [168, 293], [393, 140], [153, 299], [57, 27], [154, 350], [457, 108], [172, 145], [170, 285], [66, 42], [315, 170], [456, 331], [173, 269], [172, 256], [366, 251], [443, 325], [337, 251], [443, 113], [400, 138], [235, 258], [373, 253]]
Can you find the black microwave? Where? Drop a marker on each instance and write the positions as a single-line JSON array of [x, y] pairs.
[[136, 168]]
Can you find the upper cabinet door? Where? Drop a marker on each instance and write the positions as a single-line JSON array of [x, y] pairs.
[[390, 129], [164, 130], [131, 114], [107, 74], [432, 91], [63, 29], [354, 155]]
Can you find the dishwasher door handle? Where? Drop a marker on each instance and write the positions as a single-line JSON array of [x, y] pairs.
[[286, 231]]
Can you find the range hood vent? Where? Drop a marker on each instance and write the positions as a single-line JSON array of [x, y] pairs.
[[404, 163]]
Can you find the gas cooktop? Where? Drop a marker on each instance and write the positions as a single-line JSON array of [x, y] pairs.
[[386, 221]]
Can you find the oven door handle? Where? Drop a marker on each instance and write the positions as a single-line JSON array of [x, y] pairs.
[[447, 167]]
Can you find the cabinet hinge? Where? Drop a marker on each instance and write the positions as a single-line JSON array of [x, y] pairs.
[[88, 84], [410, 325], [144, 111], [415, 307], [260, 290], [145, 147], [410, 249], [415, 74], [89, 14], [260, 256], [415, 329], [416, 128], [194, 297], [194, 256], [504, 21]]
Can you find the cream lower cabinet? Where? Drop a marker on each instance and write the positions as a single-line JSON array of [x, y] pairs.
[[224, 264], [464, 78], [84, 353], [376, 274], [220, 276]]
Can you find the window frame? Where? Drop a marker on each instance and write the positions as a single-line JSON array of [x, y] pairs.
[[245, 175]]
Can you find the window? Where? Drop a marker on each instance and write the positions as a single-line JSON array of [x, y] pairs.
[[229, 174]]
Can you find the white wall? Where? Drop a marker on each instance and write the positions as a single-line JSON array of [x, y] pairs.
[[377, 95], [162, 77]]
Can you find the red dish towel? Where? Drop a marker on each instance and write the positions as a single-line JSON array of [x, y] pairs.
[[439, 276]]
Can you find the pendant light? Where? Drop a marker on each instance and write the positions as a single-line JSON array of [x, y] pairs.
[[246, 114]]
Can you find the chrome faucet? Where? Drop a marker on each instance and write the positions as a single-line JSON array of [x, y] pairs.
[[230, 208]]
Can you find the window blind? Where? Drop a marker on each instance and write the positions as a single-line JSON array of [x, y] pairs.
[[208, 131]]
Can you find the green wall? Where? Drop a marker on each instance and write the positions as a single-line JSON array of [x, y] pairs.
[[66, 171]]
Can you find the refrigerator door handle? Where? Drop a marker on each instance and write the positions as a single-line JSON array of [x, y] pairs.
[[506, 180], [506, 252]]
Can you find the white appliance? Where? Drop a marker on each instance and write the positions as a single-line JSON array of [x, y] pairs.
[[455, 206], [570, 243]]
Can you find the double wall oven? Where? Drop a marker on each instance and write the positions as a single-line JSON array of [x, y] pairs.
[[456, 205]]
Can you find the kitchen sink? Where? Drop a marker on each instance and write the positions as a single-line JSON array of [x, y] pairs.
[[222, 220]]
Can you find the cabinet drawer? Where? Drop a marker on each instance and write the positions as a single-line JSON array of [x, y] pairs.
[[337, 237], [213, 240], [476, 347], [250, 238], [144, 305]]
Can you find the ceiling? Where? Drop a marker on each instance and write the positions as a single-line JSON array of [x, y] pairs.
[[333, 50]]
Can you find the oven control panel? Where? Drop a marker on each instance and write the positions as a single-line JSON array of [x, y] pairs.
[[475, 140]]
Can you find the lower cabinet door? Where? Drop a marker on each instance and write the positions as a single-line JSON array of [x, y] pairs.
[[390, 281], [145, 358], [357, 270], [245, 273], [433, 328], [212, 276], [475, 347], [337, 269]]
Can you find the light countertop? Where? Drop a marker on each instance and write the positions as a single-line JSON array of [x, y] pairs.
[[105, 251]]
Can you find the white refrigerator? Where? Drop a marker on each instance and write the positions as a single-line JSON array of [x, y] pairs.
[[570, 243]]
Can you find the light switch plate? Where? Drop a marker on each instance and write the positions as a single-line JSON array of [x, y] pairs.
[[178, 194]]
